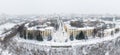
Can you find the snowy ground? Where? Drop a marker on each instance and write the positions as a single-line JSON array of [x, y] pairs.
[[4, 52], [108, 45], [6, 26], [99, 46]]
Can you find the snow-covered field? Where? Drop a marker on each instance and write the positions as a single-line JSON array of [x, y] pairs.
[[6, 26]]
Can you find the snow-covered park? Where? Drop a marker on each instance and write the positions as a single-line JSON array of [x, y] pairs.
[[60, 43]]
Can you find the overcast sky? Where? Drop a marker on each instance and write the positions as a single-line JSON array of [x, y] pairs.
[[60, 6]]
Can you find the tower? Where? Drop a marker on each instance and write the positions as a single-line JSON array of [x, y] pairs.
[[60, 35]]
